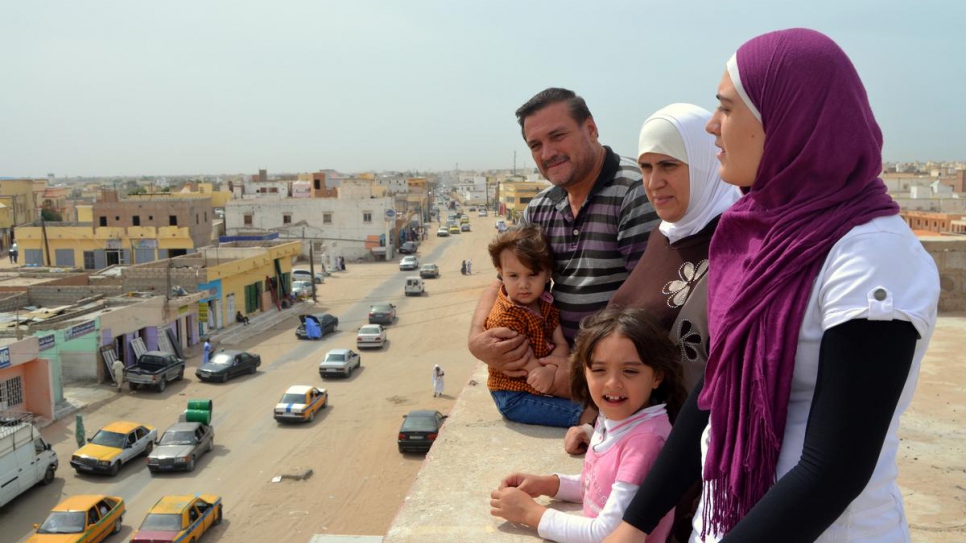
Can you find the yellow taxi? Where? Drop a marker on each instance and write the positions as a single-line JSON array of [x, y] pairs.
[[175, 519], [454, 229], [85, 518], [113, 446], [300, 403]]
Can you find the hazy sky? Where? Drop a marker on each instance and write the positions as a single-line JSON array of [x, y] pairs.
[[98, 88]]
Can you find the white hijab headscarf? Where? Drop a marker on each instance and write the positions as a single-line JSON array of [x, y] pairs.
[[678, 131]]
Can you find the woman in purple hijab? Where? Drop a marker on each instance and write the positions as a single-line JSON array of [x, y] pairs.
[[821, 304]]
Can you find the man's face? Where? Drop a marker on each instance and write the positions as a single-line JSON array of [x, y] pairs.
[[564, 151]]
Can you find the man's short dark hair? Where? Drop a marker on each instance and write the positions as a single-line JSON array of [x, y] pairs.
[[554, 95]]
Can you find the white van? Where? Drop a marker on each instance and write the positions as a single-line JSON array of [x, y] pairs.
[[415, 286], [25, 460]]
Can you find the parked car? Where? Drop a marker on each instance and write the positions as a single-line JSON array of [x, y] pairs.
[[407, 248], [419, 430], [225, 365], [371, 335], [429, 271], [409, 263], [384, 313], [318, 325], [465, 227], [154, 369], [180, 447], [443, 232], [300, 403], [340, 362], [179, 518], [112, 446], [301, 289], [306, 275], [25, 459], [414, 286], [87, 518]]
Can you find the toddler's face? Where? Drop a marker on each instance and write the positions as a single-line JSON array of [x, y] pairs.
[[523, 285], [620, 383]]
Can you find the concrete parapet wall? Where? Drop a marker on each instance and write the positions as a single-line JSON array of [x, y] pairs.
[[54, 296], [450, 499], [950, 256]]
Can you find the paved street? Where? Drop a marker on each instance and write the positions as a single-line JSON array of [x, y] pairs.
[[359, 478]]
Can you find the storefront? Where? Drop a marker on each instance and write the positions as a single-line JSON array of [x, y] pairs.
[[25, 378]]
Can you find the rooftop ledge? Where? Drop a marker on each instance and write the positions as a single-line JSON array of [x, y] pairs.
[[449, 500]]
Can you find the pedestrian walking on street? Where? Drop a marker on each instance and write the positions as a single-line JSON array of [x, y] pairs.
[[118, 368], [463, 268], [13, 252], [205, 351], [437, 381], [469, 267]]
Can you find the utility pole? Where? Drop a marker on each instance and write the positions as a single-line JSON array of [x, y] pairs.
[[43, 230], [315, 297]]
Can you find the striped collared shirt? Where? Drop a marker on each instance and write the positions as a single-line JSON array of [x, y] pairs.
[[596, 251]]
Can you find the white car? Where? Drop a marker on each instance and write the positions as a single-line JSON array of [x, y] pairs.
[[301, 289], [306, 275], [409, 263], [371, 335]]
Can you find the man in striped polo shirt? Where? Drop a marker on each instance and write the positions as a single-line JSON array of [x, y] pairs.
[[596, 216]]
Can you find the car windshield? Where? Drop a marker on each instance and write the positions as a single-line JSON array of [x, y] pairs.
[[221, 359], [162, 522], [381, 308], [414, 423], [63, 522], [178, 437], [335, 357], [369, 330], [109, 439], [292, 398]]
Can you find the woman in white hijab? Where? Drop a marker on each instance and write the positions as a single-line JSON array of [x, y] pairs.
[[680, 170], [437, 381]]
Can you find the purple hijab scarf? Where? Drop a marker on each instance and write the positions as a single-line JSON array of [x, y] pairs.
[[818, 178]]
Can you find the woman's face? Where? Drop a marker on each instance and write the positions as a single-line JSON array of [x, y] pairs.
[[667, 182], [738, 134]]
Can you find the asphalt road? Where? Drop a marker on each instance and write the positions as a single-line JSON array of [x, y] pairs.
[[359, 478]]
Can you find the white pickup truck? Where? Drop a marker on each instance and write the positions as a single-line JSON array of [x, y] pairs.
[[25, 459]]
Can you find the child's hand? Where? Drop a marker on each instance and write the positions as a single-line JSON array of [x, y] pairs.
[[578, 439], [533, 485], [541, 379], [515, 505]]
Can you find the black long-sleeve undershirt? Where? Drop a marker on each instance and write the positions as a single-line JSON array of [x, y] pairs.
[[863, 367]]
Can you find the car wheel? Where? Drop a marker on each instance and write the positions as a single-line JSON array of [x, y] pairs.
[[132, 386], [211, 444], [191, 464], [149, 448], [115, 468], [218, 516], [224, 377], [312, 416], [162, 384], [48, 476], [180, 375], [253, 369], [117, 526]]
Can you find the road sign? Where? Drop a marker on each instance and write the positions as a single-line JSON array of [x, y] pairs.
[[390, 213]]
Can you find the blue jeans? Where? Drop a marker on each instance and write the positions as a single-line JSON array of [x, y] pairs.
[[527, 408]]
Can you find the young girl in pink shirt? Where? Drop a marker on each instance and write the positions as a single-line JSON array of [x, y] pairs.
[[625, 365]]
